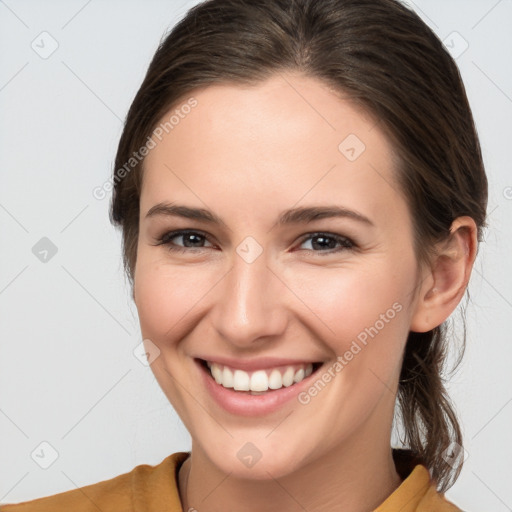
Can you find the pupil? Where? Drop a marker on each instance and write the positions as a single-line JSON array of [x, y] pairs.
[[192, 236], [324, 238]]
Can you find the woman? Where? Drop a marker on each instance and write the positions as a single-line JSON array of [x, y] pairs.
[[301, 193]]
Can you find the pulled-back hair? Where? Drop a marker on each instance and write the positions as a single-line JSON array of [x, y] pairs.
[[382, 56]]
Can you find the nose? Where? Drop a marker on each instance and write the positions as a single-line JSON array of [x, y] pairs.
[[250, 303]]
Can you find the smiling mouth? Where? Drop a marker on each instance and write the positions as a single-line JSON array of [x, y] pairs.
[[261, 381]]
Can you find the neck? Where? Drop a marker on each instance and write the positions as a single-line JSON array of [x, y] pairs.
[[353, 477]]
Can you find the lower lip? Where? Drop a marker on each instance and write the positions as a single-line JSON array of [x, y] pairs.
[[245, 404]]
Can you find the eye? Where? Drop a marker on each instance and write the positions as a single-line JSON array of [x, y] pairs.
[[321, 243], [326, 243], [191, 240]]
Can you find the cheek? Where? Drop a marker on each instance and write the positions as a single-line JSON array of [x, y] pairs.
[[167, 297], [361, 313], [348, 300]]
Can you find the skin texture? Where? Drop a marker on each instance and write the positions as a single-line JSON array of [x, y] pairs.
[[247, 154]]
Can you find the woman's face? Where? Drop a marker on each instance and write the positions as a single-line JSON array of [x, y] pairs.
[[330, 289]]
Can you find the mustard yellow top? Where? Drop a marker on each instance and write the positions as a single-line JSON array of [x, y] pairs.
[[152, 489]]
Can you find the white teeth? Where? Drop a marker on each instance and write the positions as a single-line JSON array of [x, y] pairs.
[[241, 380], [288, 376], [216, 373], [275, 381], [299, 375], [227, 377], [260, 380]]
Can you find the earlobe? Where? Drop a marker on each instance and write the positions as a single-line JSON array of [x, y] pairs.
[[443, 287]]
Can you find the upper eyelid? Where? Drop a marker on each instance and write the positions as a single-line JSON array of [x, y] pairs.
[[311, 234], [306, 236], [183, 232], [339, 238]]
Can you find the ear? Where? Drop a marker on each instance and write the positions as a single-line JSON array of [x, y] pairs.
[[445, 282]]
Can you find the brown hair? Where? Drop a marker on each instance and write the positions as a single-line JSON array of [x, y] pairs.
[[388, 61]]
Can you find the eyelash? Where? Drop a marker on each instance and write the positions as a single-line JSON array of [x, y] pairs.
[[346, 243]]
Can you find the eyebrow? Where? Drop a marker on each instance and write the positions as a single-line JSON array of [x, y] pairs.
[[291, 216]]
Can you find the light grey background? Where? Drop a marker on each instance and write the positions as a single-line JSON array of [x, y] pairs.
[[68, 328]]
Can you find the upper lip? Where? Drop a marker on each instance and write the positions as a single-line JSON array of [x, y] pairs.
[[256, 364]]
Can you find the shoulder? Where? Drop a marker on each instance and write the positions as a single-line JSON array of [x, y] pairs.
[[434, 500], [418, 492], [155, 486]]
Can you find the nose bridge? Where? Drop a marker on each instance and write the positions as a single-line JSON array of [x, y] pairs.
[[247, 308]]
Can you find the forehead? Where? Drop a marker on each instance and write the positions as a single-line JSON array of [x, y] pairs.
[[290, 138]]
